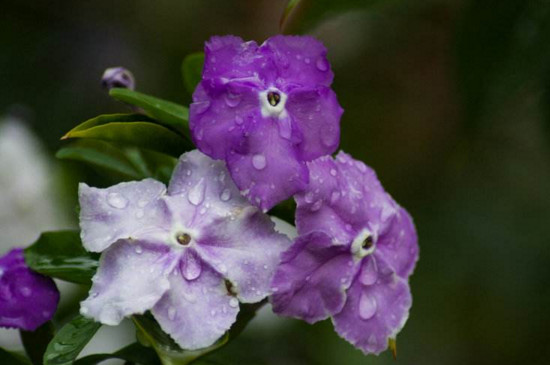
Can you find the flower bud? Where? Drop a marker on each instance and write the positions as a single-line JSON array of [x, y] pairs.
[[117, 77]]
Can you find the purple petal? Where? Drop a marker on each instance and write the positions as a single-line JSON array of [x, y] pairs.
[[375, 312], [195, 313], [316, 113], [126, 210], [312, 278], [131, 278], [268, 170], [399, 245], [27, 299], [299, 60], [245, 248]]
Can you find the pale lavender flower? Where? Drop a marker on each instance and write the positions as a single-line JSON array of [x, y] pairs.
[[266, 110], [355, 252], [27, 299], [118, 77], [189, 253]]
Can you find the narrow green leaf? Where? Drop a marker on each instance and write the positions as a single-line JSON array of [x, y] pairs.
[[100, 154], [134, 353], [60, 255], [191, 70], [13, 358], [106, 119], [35, 342], [70, 340], [137, 134], [158, 166], [164, 111]]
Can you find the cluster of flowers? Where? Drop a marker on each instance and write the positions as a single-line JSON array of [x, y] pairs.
[[265, 122]]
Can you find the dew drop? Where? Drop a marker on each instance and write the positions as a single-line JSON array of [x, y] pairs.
[[196, 193], [309, 197], [322, 64], [25, 291], [232, 100], [142, 203], [369, 274], [225, 195], [239, 120], [333, 172], [334, 197], [138, 249], [259, 162], [233, 303], [316, 206], [192, 266], [367, 306], [117, 201], [307, 60], [202, 106]]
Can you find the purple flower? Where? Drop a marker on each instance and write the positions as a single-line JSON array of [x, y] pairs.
[[189, 253], [27, 299], [355, 251], [266, 110]]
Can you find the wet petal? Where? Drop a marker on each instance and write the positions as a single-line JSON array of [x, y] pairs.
[[27, 299], [196, 313], [374, 313], [245, 249], [130, 209], [131, 278], [312, 278]]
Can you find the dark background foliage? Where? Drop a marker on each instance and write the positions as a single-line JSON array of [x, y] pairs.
[[449, 100]]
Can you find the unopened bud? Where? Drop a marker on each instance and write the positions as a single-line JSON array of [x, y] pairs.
[[117, 77]]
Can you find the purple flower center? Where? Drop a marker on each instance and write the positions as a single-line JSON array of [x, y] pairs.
[[364, 243], [273, 98], [183, 238]]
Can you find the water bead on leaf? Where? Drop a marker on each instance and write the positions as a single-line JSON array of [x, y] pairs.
[[266, 110], [27, 299], [349, 230], [178, 251]]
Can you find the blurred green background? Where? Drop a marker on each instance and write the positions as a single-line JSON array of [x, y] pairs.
[[449, 100]]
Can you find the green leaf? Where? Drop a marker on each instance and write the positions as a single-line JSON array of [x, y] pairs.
[[13, 358], [134, 353], [166, 112], [106, 119], [60, 255], [191, 70], [35, 342], [152, 164], [101, 154], [70, 340], [136, 134], [300, 15]]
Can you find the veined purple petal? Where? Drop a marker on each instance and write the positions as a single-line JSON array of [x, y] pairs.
[[312, 279], [131, 278], [376, 312], [27, 299], [196, 313], [126, 210]]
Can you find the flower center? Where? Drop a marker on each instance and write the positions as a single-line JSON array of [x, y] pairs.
[[273, 98], [183, 238], [364, 243]]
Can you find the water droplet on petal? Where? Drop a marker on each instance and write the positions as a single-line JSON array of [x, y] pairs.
[[225, 195], [259, 162], [239, 120], [333, 172], [140, 214], [25, 291], [202, 106], [233, 303], [232, 100], [369, 274], [138, 249], [309, 197], [196, 193], [334, 197], [117, 201], [307, 60], [322, 64], [191, 266], [316, 206], [367, 306]]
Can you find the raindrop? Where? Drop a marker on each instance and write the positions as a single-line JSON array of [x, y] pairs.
[[225, 195], [259, 162], [202, 106], [142, 203], [367, 306], [138, 249], [192, 267], [322, 64], [369, 274], [334, 197], [26, 292], [233, 303], [333, 172], [309, 197], [239, 120], [196, 193], [232, 100], [316, 206], [307, 60], [117, 201]]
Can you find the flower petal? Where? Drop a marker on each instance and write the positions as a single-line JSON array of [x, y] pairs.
[[312, 278], [198, 312], [399, 245], [299, 60], [316, 113], [376, 312], [246, 249], [131, 278], [126, 210], [27, 299], [267, 170]]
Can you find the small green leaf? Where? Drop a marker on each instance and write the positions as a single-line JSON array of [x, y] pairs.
[[158, 166], [166, 112], [106, 119], [70, 340], [60, 255], [134, 353], [13, 358], [136, 134], [35, 342], [191, 70]]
